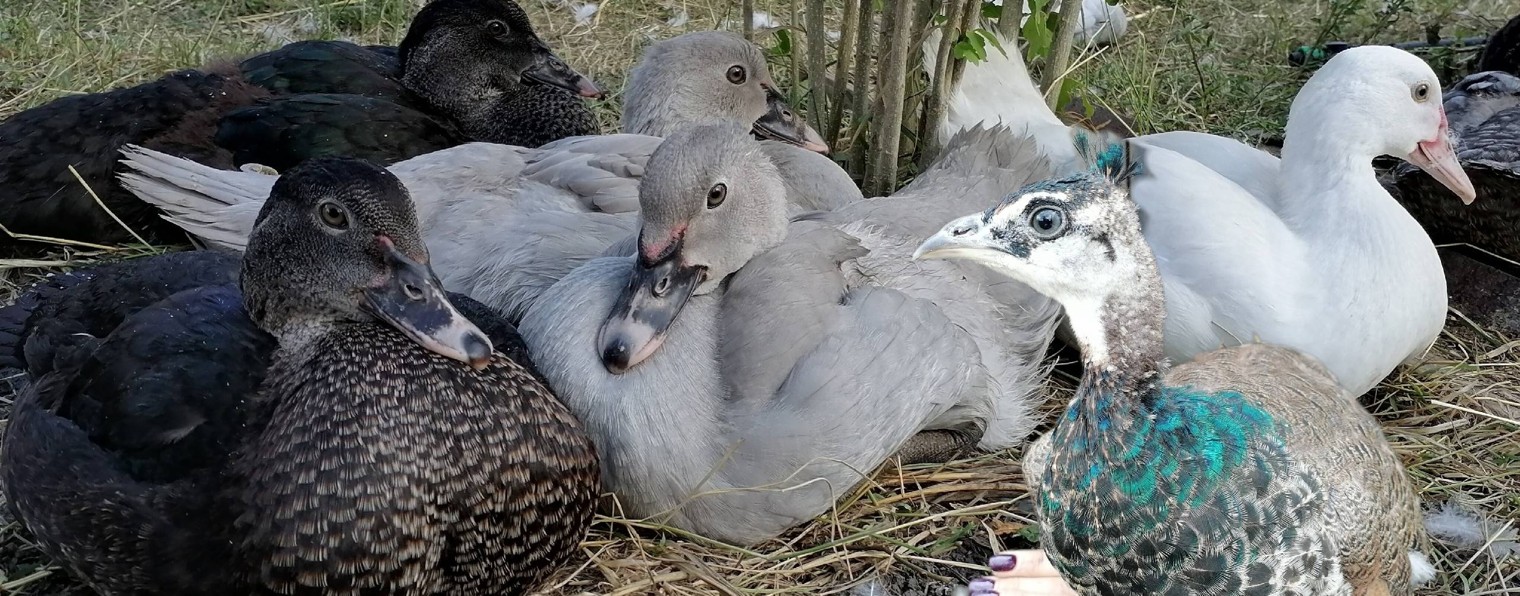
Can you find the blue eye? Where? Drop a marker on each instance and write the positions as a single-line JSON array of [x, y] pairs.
[[1047, 223]]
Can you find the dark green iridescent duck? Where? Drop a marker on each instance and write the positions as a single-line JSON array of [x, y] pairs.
[[467, 70], [388, 450], [1245, 471]]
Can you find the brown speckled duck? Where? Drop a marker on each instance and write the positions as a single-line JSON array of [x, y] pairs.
[[388, 450]]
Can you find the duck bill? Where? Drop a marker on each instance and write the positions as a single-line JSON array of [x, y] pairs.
[[548, 69], [412, 300], [1439, 160], [780, 123], [636, 327]]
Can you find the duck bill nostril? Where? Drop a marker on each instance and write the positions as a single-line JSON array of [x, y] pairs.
[[635, 328], [412, 300], [548, 69]]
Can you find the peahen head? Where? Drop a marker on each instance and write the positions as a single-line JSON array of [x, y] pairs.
[[1076, 239]]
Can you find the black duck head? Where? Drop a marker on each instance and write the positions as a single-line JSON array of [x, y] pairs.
[[464, 50], [337, 242]]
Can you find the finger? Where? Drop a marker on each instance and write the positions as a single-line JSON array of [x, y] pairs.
[[1022, 563], [1034, 586]]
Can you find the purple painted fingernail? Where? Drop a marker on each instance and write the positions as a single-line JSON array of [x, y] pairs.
[[985, 593], [982, 584], [1002, 562]]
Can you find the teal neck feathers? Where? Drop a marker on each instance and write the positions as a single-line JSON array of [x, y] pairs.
[[1148, 476]]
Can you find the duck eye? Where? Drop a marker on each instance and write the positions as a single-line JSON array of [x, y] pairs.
[[496, 28], [333, 216], [716, 194], [1047, 223], [1421, 91], [737, 75]]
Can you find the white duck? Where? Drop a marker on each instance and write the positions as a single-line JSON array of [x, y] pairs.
[[1309, 251]]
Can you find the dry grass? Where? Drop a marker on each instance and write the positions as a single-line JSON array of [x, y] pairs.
[[1220, 68]]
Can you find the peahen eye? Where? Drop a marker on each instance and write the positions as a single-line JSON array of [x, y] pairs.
[[716, 195], [333, 215], [1047, 223]]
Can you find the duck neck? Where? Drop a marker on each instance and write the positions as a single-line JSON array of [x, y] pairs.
[[1328, 188], [1123, 352]]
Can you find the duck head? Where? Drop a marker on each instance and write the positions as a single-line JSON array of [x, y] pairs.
[[337, 242], [463, 50], [710, 202], [1383, 101], [710, 77]]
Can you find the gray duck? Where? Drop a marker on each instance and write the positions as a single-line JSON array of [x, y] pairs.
[[388, 450], [1247, 470], [467, 70]]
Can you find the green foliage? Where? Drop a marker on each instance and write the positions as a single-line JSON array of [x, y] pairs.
[[1040, 30], [972, 45]]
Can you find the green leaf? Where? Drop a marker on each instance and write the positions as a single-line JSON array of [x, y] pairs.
[[939, 20], [989, 38], [1068, 87], [970, 47], [995, 11], [1039, 32], [783, 45]]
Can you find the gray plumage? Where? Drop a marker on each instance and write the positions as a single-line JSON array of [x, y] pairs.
[[809, 353], [478, 202]]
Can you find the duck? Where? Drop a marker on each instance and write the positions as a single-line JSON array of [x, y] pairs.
[[1306, 251], [577, 197], [484, 481], [462, 73], [1484, 111], [1248, 469], [432, 92], [1502, 51], [796, 353]]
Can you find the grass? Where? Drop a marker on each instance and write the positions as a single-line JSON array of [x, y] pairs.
[[1218, 66]]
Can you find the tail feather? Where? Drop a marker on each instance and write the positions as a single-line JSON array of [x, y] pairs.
[[217, 206]]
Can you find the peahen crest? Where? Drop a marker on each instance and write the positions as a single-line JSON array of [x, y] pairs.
[[1107, 153]]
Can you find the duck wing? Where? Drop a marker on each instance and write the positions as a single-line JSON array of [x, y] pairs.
[[92, 516], [1217, 276], [64, 309], [283, 131], [327, 67], [42, 148], [1252, 169]]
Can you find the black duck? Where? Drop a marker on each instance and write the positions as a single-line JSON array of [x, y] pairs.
[[462, 73], [388, 450]]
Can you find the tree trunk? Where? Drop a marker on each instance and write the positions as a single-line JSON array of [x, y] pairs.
[[842, 73], [747, 12], [939, 87], [888, 126], [861, 83], [817, 64], [1060, 57]]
